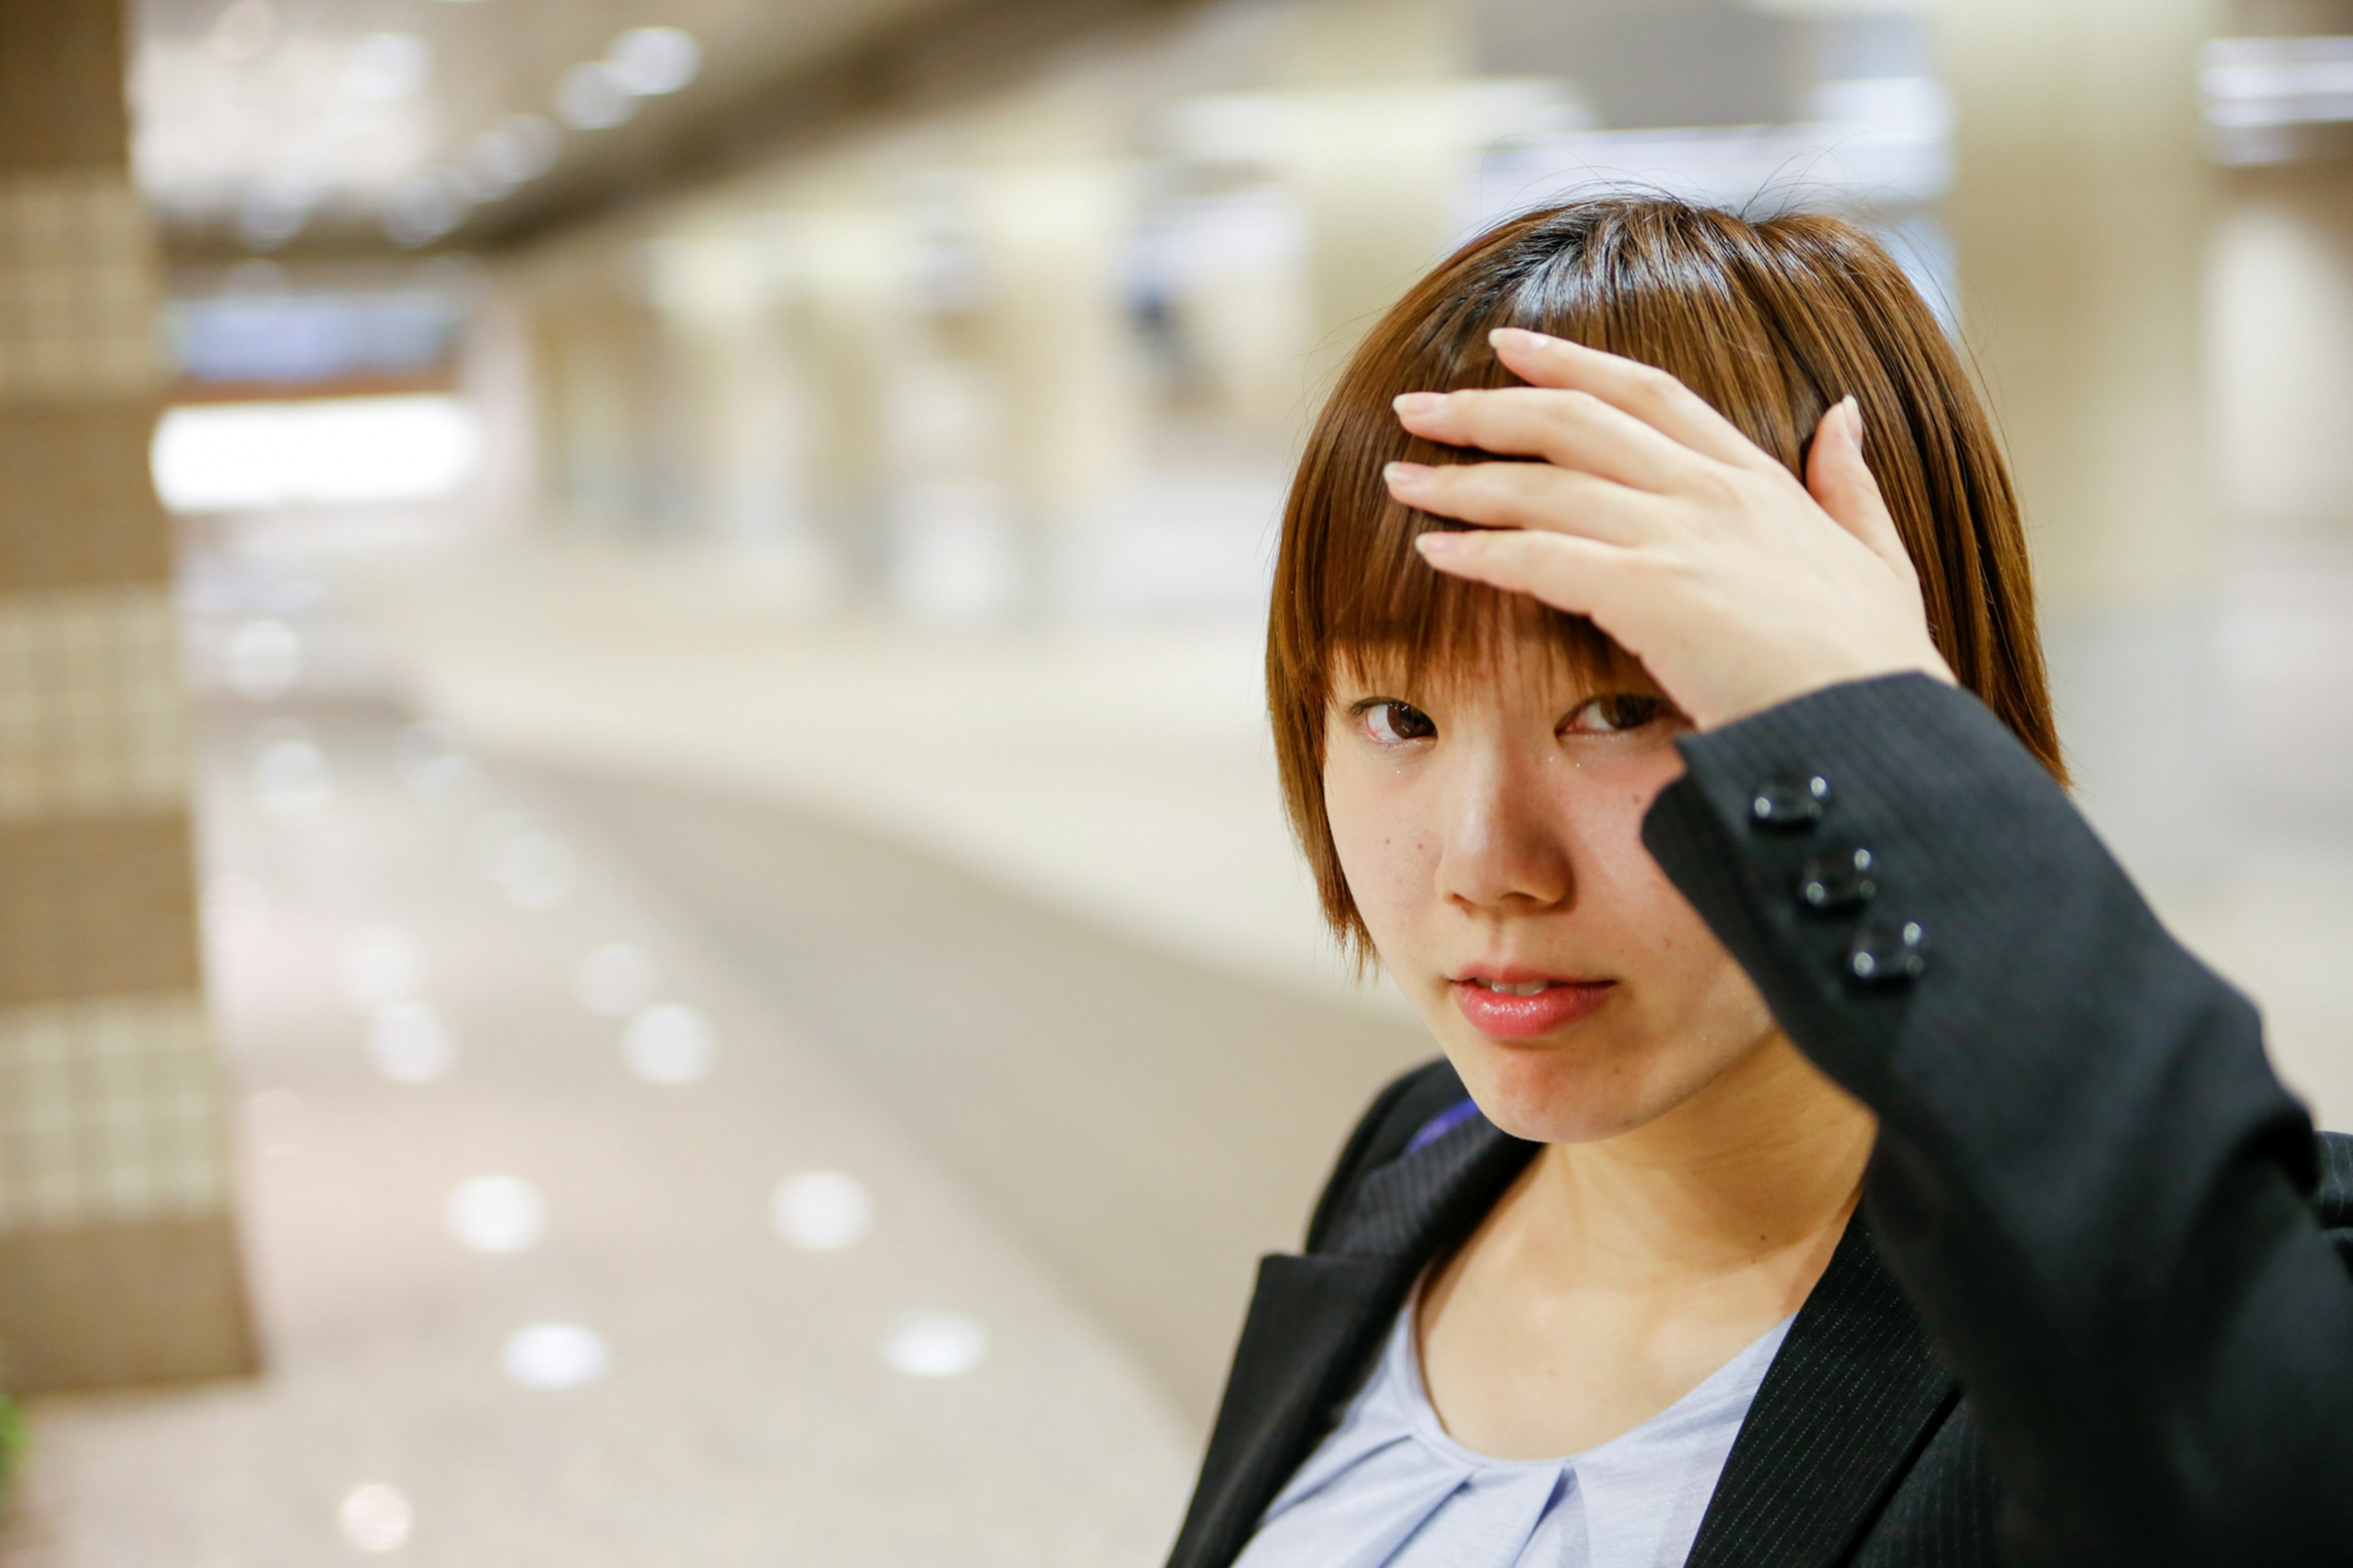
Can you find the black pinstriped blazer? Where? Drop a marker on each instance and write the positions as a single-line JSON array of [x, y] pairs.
[[2097, 1307]]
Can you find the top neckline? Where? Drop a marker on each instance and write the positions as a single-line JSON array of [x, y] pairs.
[[1738, 1379]]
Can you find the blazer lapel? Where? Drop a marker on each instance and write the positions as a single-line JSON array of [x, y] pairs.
[[1853, 1396], [1315, 1321]]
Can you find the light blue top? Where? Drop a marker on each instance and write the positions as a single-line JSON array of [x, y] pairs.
[[1389, 1489]]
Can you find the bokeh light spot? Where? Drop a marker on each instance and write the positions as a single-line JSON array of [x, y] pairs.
[[822, 1210], [377, 1517], [497, 1213], [555, 1355], [411, 1043], [934, 1344], [668, 1043]]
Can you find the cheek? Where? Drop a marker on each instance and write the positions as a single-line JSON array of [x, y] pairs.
[[1691, 987], [1601, 809], [1386, 848]]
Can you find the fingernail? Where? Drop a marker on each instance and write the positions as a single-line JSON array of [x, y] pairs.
[[1516, 338], [1437, 544], [1853, 414], [1418, 402], [1402, 473]]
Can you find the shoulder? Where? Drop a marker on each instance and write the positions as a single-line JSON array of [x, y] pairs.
[[1412, 1101], [2332, 1197]]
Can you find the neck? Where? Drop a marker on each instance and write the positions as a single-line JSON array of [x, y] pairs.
[[1763, 1165]]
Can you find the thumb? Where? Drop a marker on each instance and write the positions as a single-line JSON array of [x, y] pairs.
[[1841, 482]]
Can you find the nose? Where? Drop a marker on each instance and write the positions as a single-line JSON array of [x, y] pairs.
[[1502, 853]]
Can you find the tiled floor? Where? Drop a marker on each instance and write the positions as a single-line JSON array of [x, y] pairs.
[[662, 1374]]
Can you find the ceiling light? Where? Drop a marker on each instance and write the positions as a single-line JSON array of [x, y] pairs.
[[590, 99], [521, 147], [2276, 81], [265, 222], [386, 66], [422, 212], [650, 61]]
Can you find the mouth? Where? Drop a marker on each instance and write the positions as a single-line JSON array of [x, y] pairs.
[[1521, 1006]]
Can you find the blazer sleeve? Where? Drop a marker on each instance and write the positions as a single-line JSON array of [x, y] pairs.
[[2088, 1179]]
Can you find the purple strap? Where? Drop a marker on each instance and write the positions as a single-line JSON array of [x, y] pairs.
[[1440, 1125]]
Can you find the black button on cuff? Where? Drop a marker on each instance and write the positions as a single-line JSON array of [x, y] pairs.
[[1887, 954], [1786, 805], [1832, 883]]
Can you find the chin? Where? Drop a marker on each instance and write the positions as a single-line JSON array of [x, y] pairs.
[[1558, 1091]]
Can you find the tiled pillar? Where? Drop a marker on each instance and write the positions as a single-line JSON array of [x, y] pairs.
[[118, 1257]]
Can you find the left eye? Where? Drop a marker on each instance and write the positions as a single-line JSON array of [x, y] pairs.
[[1619, 710]]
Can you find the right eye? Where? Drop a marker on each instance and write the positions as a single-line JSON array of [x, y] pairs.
[[1393, 723]]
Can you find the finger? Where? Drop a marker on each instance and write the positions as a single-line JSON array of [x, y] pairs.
[[1647, 392], [1533, 496], [1843, 483], [1581, 576], [1572, 429]]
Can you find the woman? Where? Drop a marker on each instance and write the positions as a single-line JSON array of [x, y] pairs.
[[1834, 1162]]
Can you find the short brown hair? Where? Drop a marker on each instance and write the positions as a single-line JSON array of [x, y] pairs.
[[1771, 320]]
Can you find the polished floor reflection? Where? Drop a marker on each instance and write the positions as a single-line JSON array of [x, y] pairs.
[[567, 1247]]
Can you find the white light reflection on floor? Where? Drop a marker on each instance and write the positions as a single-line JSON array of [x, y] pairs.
[[263, 661], [411, 1043], [615, 980], [291, 777], [823, 1211], [376, 1518], [429, 762], [934, 1344], [497, 1213], [384, 964], [668, 1043], [529, 864], [555, 1355]]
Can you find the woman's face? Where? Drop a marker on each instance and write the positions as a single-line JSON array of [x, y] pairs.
[[1489, 826]]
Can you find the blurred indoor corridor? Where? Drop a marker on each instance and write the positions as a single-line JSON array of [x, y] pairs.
[[762, 1006]]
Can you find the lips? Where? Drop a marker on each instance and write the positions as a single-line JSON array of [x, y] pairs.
[[1523, 1007]]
